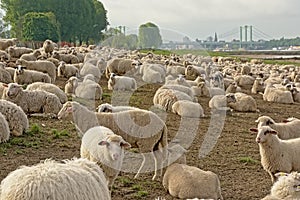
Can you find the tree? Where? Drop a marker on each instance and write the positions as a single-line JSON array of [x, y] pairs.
[[40, 26], [149, 36]]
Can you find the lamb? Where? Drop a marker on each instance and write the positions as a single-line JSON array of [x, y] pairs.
[[4, 129], [220, 102], [258, 86], [109, 108], [243, 103], [186, 108], [23, 76], [187, 182], [71, 179], [145, 131], [99, 144], [40, 65], [17, 52], [277, 155], [120, 66], [273, 94], [122, 83], [48, 47], [31, 56], [48, 87], [71, 85], [67, 70], [88, 89], [5, 43], [32, 101], [288, 130], [287, 187], [15, 116]]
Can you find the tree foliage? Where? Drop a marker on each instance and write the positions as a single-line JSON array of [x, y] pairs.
[[149, 36], [282, 42]]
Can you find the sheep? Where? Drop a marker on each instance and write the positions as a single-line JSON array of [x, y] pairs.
[[273, 94], [287, 187], [32, 101], [180, 88], [109, 108], [48, 47], [296, 95], [258, 86], [152, 73], [122, 83], [23, 76], [185, 182], [193, 71], [203, 90], [40, 65], [180, 80], [70, 179], [99, 144], [4, 56], [277, 155], [71, 85], [233, 88], [5, 43], [17, 52], [120, 66], [67, 58], [244, 81], [15, 116], [220, 102], [145, 131], [88, 89], [48, 87], [66, 70], [4, 129], [175, 70], [287, 130], [31, 56], [5, 76], [243, 103], [186, 108]]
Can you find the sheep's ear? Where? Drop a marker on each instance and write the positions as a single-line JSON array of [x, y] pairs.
[[269, 122], [125, 145], [272, 132], [70, 109], [255, 130], [103, 142], [4, 84]]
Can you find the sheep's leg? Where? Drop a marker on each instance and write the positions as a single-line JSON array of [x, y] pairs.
[[141, 167], [155, 166]]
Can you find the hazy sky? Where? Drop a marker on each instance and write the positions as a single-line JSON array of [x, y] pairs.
[[202, 18]]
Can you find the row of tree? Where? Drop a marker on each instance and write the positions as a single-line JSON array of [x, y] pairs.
[[65, 20]]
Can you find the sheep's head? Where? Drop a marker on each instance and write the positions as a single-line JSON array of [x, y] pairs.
[[291, 183], [19, 70], [104, 108], [66, 111], [230, 98], [264, 121], [13, 89], [263, 133]]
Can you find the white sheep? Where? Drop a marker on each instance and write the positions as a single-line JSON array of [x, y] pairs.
[[180, 80], [17, 52], [99, 144], [187, 182], [285, 130], [152, 73], [32, 101], [243, 103], [67, 58], [40, 65], [105, 107], [186, 108], [17, 120], [258, 86], [31, 56], [66, 70], [23, 76], [122, 83], [244, 81], [71, 85], [49, 87], [203, 90], [181, 88], [142, 129], [277, 155], [89, 68], [5, 43], [296, 94], [88, 88], [120, 66], [69, 180], [273, 94], [220, 102], [286, 187], [194, 71], [4, 129], [5, 76], [48, 47]]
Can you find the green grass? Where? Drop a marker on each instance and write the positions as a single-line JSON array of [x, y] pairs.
[[280, 62], [141, 194], [125, 181], [34, 130], [247, 160], [59, 134], [157, 51]]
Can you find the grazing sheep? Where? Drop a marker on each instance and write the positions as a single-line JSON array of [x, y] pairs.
[[40, 65], [78, 179], [88, 89], [186, 108], [66, 70], [258, 86], [273, 94], [142, 129], [220, 102], [287, 130], [5, 43], [31, 56], [32, 101], [4, 129], [120, 66], [277, 155], [23, 76], [5, 76], [122, 83], [184, 181], [286, 187], [48, 47], [243, 103], [109, 108], [15, 116], [99, 144], [48, 87], [71, 85], [17, 52]]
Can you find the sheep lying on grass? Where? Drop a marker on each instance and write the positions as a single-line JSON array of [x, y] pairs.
[[66, 70], [243, 103], [187, 109], [277, 155], [69, 180], [31, 56], [4, 129], [17, 52], [15, 116], [142, 129], [120, 66], [101, 145], [220, 102], [23, 76], [288, 130], [109, 108], [273, 94], [122, 83], [32, 101]]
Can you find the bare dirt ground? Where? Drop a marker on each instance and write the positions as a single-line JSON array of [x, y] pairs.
[[235, 157]]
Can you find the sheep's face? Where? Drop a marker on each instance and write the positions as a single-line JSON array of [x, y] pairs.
[[263, 133], [20, 70], [13, 90], [264, 121], [66, 111], [230, 98], [289, 181]]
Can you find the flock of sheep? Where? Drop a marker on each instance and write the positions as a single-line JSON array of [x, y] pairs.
[[109, 131]]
